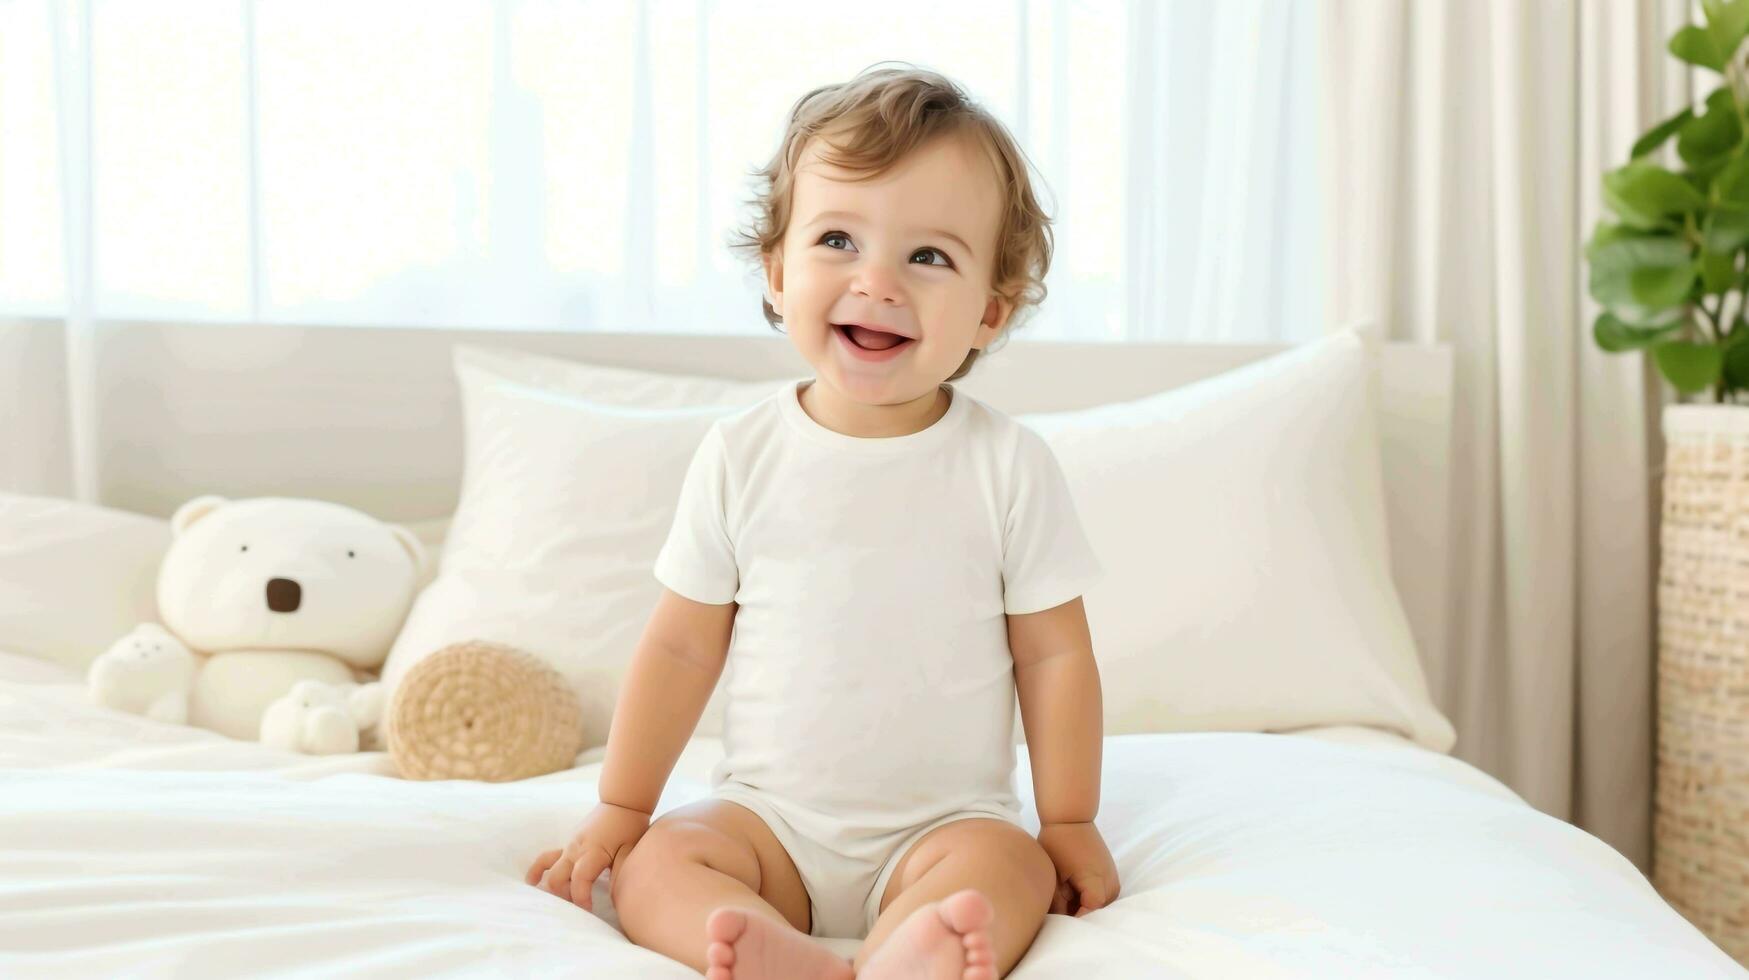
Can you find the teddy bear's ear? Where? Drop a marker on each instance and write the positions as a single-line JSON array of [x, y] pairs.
[[411, 543], [193, 511]]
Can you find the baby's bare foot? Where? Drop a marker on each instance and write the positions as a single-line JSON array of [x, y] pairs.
[[747, 946], [945, 940]]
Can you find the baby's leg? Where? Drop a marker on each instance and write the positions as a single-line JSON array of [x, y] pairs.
[[709, 855], [919, 934]]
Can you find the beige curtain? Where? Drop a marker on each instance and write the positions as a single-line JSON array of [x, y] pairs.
[[1464, 146]]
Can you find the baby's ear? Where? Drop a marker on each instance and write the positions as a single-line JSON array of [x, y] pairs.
[[994, 320], [773, 262]]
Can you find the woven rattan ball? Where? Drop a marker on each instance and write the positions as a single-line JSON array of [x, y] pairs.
[[479, 710]]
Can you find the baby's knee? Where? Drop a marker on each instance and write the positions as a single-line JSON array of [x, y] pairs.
[[652, 861], [674, 849], [1038, 869], [1016, 858]]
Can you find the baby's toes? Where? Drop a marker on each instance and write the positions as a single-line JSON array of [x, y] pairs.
[[968, 913], [979, 950]]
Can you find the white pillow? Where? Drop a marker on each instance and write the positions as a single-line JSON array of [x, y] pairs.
[[571, 474], [74, 577], [1241, 521], [1240, 518]]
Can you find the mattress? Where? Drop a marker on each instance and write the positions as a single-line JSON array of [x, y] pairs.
[[132, 847]]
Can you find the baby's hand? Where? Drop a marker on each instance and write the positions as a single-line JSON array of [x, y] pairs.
[[608, 834], [1086, 874]]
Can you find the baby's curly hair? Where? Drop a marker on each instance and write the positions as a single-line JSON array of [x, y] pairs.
[[870, 123]]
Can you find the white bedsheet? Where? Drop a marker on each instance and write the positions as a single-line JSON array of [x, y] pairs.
[[129, 847]]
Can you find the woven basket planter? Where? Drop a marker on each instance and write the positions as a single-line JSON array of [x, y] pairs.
[[1700, 820]]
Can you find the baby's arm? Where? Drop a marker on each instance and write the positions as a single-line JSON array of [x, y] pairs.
[[1060, 708], [673, 672], [1062, 712]]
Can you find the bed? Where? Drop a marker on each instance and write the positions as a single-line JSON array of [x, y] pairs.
[[138, 848]]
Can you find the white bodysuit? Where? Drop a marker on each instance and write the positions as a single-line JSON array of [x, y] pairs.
[[869, 685]]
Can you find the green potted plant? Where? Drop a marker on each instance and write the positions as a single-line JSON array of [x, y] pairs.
[[1669, 272]]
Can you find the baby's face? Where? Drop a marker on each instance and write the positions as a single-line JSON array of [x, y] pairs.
[[912, 252]]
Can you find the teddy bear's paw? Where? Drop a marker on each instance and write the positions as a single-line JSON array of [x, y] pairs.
[[147, 672], [366, 702], [311, 718], [328, 731]]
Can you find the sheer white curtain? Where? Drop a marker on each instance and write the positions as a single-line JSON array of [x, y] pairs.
[[1468, 143], [1222, 204], [580, 165]]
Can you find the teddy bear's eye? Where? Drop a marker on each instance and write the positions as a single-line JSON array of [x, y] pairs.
[[349, 553], [245, 547]]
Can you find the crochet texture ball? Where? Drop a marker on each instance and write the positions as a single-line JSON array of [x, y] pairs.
[[479, 710]]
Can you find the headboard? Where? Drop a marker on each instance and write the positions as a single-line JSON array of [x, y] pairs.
[[370, 416]]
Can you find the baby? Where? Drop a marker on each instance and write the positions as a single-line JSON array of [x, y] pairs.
[[882, 562]]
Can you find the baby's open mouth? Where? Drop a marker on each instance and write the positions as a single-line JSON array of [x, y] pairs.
[[873, 340]]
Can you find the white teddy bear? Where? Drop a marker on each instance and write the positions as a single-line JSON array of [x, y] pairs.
[[280, 591], [147, 672]]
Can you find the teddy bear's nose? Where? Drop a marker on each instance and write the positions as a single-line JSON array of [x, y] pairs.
[[283, 595]]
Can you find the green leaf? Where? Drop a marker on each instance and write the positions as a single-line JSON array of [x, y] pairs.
[[1727, 21], [1702, 173], [1615, 336], [1718, 271], [1731, 185], [1656, 136], [1611, 231], [1690, 366], [1655, 287], [1644, 316], [1726, 229], [1653, 271], [1714, 134], [1697, 47], [1737, 365], [1644, 195]]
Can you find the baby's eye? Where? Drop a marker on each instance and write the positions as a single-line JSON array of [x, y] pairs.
[[945, 261]]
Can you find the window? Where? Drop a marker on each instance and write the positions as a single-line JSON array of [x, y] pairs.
[[580, 165]]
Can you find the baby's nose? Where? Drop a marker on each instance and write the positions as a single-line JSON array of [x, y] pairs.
[[877, 283]]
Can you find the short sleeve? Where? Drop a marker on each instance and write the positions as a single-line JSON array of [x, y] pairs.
[[1046, 557], [698, 558]]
